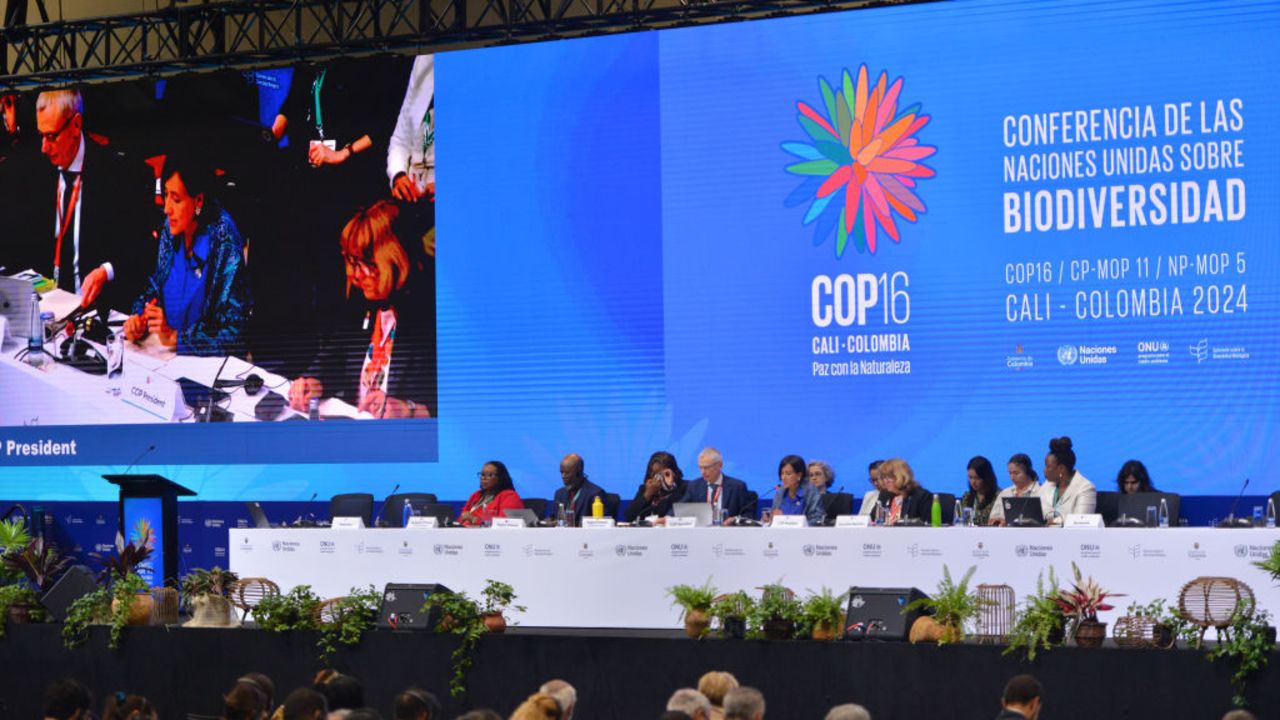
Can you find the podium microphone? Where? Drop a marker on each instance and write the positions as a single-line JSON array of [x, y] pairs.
[[1232, 521], [138, 459], [377, 522]]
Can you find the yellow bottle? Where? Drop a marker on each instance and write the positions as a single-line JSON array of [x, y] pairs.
[[597, 508]]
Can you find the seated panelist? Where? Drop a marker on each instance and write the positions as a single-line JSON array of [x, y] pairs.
[[1065, 491], [1025, 483], [663, 486], [496, 495], [714, 487], [196, 301], [796, 495], [578, 493], [1134, 478], [909, 501]]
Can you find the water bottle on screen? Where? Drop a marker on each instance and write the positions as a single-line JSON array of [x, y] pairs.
[[560, 515], [1164, 513], [958, 518], [1271, 512], [717, 515], [35, 338], [313, 408], [935, 512], [408, 513]]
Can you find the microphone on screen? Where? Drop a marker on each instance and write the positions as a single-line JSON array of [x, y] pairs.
[[138, 459], [310, 521]]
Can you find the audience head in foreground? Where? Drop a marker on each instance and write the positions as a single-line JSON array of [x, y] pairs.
[[416, 704], [66, 700], [848, 711], [563, 693], [1021, 699], [744, 703], [690, 702]]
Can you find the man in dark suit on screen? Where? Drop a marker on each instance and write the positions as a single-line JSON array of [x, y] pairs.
[[578, 492], [90, 209], [714, 487]]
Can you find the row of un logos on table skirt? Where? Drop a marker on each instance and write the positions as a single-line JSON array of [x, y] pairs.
[[1192, 550]]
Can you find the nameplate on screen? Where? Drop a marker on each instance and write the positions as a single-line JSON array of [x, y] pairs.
[[853, 521], [1084, 520], [597, 523], [788, 521], [682, 522], [348, 523], [420, 522], [508, 523]]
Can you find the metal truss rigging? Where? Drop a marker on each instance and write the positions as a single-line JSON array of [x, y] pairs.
[[247, 33]]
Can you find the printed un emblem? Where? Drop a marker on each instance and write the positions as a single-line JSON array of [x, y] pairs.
[[1020, 550], [1242, 551], [620, 550], [1068, 354], [438, 549], [808, 550]]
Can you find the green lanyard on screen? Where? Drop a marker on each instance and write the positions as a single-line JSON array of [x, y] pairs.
[[315, 94]]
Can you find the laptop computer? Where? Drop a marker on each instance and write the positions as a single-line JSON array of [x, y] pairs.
[[1133, 507], [258, 517], [1023, 511], [442, 512], [700, 512], [528, 516]]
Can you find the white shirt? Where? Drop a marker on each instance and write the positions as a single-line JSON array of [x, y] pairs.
[[410, 150], [77, 166], [997, 512]]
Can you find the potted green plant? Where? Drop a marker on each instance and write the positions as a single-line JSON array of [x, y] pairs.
[[951, 606], [732, 611], [459, 615], [42, 564], [823, 614], [1040, 624], [497, 597], [208, 595], [1245, 646], [113, 605], [1272, 563], [1082, 603], [348, 618], [695, 606], [13, 535], [777, 613], [294, 610], [19, 603], [1169, 622]]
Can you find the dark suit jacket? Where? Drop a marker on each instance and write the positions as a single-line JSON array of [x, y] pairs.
[[117, 211], [733, 498], [582, 506], [640, 507], [918, 504], [1007, 714]]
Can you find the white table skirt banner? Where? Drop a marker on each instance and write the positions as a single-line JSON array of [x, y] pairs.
[[617, 578]]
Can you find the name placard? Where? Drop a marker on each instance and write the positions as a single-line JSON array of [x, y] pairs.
[[508, 524], [682, 522], [348, 523], [1083, 520], [788, 521], [853, 521], [597, 523], [420, 522]]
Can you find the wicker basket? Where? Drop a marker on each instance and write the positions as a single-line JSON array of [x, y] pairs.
[[1213, 602], [995, 613], [164, 606], [1137, 631]]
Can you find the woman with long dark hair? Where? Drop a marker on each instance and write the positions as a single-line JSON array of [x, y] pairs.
[[982, 491], [662, 486]]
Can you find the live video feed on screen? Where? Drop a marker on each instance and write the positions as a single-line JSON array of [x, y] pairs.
[[240, 245]]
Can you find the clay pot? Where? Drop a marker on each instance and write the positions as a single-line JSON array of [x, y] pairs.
[[696, 623], [494, 622], [778, 629], [212, 611], [1090, 633], [19, 614], [926, 629], [139, 611], [825, 631], [1162, 636]]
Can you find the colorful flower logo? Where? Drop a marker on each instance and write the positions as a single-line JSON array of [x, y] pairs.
[[143, 534], [863, 164]]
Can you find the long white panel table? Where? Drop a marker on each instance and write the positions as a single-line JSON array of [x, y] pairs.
[[618, 577]]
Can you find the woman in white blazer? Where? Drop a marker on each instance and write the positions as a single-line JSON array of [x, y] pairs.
[[1065, 491]]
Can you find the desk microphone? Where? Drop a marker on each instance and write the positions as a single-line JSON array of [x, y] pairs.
[[213, 389], [377, 522], [307, 523], [1232, 521], [139, 458]]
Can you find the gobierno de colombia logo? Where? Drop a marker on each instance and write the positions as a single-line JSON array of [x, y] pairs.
[[863, 164]]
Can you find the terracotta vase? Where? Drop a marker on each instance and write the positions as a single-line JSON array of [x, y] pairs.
[[19, 613], [778, 629], [696, 623], [825, 631], [139, 611], [494, 621], [1090, 633]]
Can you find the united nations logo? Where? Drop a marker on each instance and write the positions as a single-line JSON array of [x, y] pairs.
[[1020, 550], [1068, 354], [1195, 546], [980, 546], [808, 550], [1242, 551], [620, 550], [438, 549], [275, 545], [584, 546]]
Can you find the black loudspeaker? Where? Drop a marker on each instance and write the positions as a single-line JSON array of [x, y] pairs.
[[73, 585], [877, 613], [402, 606]]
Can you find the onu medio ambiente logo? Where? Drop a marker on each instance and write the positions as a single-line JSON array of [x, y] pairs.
[[863, 164]]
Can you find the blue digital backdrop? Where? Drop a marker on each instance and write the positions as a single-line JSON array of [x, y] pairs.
[[640, 248]]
